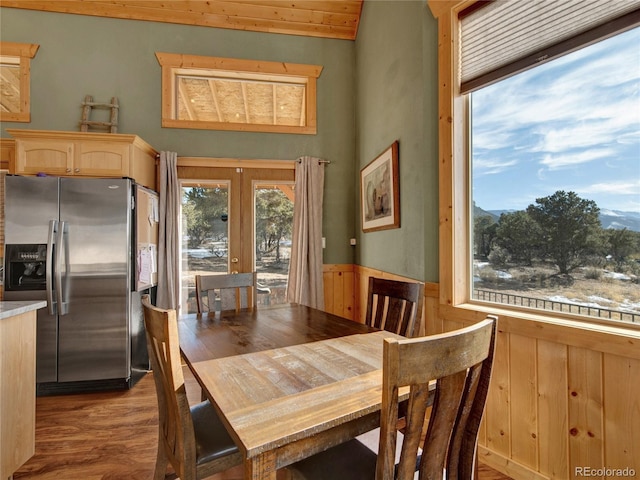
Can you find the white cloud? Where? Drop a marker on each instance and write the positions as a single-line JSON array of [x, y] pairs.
[[621, 187], [630, 137], [492, 142], [583, 135], [542, 174], [553, 162], [590, 99], [493, 166]]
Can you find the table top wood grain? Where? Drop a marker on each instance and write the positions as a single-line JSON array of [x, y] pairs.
[[235, 333], [284, 404]]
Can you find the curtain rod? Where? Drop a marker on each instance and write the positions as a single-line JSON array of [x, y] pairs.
[[319, 161]]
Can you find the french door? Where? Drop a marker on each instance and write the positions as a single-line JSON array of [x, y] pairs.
[[237, 219]]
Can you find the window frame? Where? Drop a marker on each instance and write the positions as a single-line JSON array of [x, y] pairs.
[[455, 209], [24, 52], [173, 64]]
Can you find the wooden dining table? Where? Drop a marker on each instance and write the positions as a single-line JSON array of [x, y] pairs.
[[227, 333], [287, 381]]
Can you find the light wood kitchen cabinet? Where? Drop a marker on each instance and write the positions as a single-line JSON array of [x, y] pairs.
[[7, 152], [18, 384], [84, 154]]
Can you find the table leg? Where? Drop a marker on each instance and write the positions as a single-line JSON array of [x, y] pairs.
[[261, 467]]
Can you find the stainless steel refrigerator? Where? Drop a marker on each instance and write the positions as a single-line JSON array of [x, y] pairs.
[[70, 241]]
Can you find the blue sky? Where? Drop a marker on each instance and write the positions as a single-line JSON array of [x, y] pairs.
[[572, 124]]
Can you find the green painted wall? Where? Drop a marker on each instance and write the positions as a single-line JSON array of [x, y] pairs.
[[378, 89], [397, 99], [82, 55]]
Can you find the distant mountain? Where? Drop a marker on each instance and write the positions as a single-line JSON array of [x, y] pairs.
[[619, 220], [608, 218], [478, 212]]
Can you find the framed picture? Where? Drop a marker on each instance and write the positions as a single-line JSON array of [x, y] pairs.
[[380, 192]]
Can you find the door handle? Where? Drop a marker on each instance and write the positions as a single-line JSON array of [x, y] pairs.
[[53, 224], [61, 242]]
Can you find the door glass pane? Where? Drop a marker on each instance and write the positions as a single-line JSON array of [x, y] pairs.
[[273, 227], [205, 234]]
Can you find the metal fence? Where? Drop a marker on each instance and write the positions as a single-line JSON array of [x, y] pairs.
[[539, 303]]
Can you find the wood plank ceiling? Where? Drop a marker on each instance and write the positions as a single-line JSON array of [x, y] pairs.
[[314, 18]]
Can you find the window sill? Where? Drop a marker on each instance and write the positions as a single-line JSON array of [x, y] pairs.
[[239, 127]]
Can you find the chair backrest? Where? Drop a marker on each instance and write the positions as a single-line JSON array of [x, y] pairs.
[[461, 363], [228, 291], [395, 306], [176, 425]]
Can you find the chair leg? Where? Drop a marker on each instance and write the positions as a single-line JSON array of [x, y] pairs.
[[475, 465], [162, 462]]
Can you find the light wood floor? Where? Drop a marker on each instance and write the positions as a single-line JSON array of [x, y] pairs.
[[110, 436]]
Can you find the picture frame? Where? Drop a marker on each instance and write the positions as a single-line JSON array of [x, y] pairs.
[[380, 191]]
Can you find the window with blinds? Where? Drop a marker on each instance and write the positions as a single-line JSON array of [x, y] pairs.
[[501, 38], [553, 90]]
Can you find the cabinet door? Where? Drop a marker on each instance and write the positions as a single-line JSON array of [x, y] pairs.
[[102, 159], [7, 153], [54, 157], [18, 380]]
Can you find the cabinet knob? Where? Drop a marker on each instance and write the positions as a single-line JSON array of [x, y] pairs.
[[68, 170], [77, 170]]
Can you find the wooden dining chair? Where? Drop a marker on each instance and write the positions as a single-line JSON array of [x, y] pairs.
[[227, 291], [191, 438], [395, 306], [461, 363]]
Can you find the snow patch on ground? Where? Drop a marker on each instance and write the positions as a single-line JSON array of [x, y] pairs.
[[499, 273], [596, 302], [616, 275]]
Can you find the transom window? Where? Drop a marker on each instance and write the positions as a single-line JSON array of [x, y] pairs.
[[15, 98], [231, 94]]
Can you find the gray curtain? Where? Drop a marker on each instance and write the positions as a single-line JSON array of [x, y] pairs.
[[168, 235], [305, 267]]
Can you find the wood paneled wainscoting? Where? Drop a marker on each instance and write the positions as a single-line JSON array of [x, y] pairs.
[[345, 290], [339, 294], [564, 400]]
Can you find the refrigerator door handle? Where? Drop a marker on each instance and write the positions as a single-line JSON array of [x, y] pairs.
[[53, 226], [62, 243]]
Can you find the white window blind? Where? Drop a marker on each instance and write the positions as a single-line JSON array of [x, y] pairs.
[[503, 37]]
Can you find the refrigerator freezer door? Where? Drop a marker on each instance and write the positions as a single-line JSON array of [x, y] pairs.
[[31, 203], [96, 282]]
